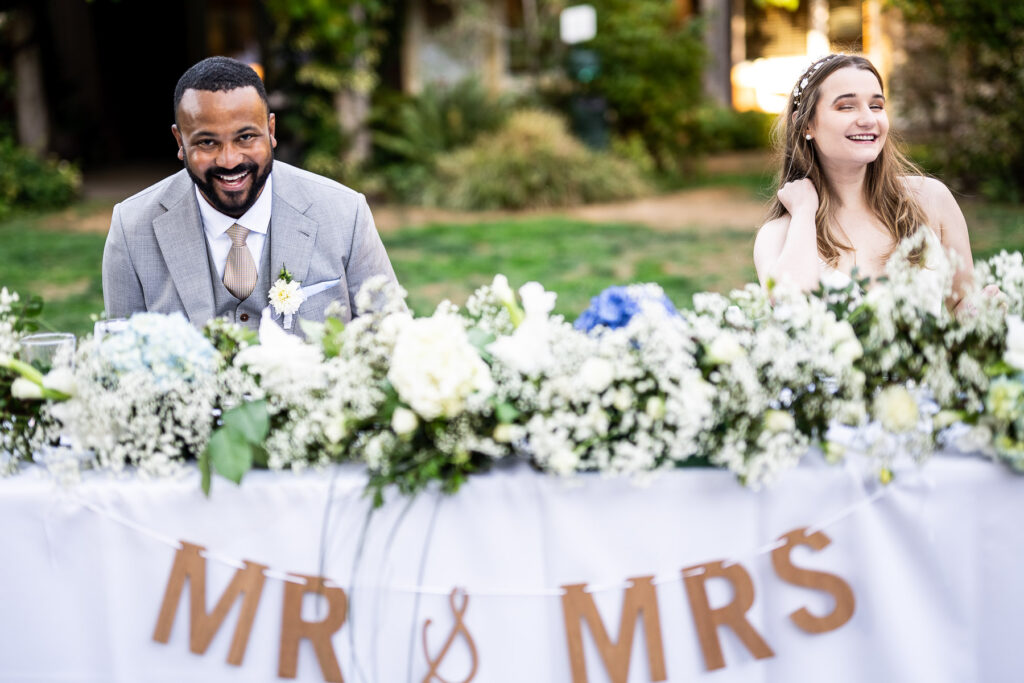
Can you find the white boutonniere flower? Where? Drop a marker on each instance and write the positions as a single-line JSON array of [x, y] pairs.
[[286, 296]]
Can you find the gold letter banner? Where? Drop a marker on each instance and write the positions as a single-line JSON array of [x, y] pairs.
[[294, 628], [640, 600], [823, 581], [733, 615], [458, 612]]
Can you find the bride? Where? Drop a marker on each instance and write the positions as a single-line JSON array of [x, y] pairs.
[[849, 196]]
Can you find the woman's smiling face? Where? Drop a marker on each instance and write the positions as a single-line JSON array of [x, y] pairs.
[[850, 124]]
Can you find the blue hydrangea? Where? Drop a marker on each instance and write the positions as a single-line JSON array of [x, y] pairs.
[[165, 346], [616, 306]]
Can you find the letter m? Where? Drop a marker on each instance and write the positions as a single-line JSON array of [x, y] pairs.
[[190, 565], [640, 600]]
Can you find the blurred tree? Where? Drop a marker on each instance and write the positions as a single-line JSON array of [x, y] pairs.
[[652, 65], [967, 93], [323, 55]]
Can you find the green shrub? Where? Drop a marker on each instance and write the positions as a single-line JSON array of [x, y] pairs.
[[724, 129], [410, 132], [532, 161], [29, 181]]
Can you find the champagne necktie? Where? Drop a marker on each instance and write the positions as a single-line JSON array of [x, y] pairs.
[[240, 271]]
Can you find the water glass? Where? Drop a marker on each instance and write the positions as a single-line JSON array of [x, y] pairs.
[[46, 349], [108, 327]]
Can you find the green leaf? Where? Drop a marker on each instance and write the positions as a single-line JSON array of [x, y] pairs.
[[204, 469], [480, 339], [250, 421], [506, 412], [230, 454]]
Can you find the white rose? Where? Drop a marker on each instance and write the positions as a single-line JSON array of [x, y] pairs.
[[724, 349], [61, 379], [501, 290], [946, 418], [896, 409], [26, 390], [335, 431], [404, 421], [435, 369], [597, 374], [777, 421], [1014, 354]]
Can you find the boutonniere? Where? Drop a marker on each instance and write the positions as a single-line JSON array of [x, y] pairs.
[[286, 296]]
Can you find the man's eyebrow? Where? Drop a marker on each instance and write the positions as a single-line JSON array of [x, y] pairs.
[[247, 129], [876, 96]]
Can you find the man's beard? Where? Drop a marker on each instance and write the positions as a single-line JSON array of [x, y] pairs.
[[236, 208]]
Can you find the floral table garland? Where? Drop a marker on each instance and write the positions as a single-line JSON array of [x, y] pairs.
[[746, 381]]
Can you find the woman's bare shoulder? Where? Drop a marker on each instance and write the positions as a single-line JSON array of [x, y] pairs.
[[770, 239], [926, 189]]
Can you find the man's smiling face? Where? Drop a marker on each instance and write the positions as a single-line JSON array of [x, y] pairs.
[[226, 139]]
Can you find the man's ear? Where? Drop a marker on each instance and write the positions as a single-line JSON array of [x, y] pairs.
[[177, 138], [271, 125]]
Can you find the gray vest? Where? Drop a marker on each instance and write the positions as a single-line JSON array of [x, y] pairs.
[[247, 312]]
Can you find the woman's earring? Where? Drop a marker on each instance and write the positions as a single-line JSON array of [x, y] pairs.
[[808, 136]]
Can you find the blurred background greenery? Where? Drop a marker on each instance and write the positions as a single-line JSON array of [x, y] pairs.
[[663, 118]]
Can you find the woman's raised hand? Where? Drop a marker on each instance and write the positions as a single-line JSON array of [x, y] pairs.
[[799, 197]]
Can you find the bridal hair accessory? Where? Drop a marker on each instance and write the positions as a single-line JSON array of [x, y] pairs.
[[799, 89]]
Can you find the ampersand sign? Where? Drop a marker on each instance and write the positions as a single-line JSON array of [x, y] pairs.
[[460, 628]]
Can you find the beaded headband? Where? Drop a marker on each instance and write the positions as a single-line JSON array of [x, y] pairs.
[[799, 89]]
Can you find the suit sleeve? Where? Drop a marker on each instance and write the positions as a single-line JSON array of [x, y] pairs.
[[367, 256], [122, 290]]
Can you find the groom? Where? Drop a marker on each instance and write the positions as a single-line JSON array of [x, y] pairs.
[[210, 240]]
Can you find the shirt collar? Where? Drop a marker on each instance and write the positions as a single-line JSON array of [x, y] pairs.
[[256, 219]]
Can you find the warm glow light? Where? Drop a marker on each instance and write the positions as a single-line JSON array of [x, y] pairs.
[[765, 84], [258, 68]]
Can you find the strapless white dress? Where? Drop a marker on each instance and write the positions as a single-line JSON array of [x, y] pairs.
[[932, 269]]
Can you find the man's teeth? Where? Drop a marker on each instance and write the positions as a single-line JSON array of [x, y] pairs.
[[233, 178]]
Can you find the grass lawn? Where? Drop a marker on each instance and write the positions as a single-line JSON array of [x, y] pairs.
[[58, 256]]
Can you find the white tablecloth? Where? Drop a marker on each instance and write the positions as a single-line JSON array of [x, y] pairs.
[[935, 564]]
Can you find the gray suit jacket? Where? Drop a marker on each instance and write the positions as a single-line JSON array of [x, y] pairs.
[[155, 256]]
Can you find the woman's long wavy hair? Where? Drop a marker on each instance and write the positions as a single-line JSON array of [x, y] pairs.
[[884, 188]]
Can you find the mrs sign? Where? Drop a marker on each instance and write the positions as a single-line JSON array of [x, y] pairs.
[[639, 604]]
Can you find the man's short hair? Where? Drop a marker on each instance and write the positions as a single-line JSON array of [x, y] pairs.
[[218, 73]]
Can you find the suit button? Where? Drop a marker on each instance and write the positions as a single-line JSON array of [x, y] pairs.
[[244, 317]]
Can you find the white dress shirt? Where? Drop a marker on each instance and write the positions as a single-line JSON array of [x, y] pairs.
[[256, 220]]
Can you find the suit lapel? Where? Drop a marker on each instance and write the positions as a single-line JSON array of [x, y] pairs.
[[179, 232], [292, 233]]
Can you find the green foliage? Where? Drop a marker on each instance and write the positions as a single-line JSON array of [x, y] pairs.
[[965, 97], [29, 181], [18, 417], [652, 65], [237, 444], [411, 132], [532, 161], [320, 48], [724, 129]]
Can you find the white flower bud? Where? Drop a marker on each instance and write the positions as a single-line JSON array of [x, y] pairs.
[[504, 433], [404, 421], [724, 349], [623, 400], [597, 374], [655, 408], [777, 421], [26, 390], [61, 379], [501, 290]]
